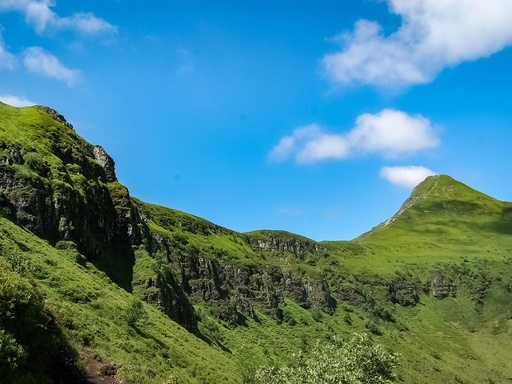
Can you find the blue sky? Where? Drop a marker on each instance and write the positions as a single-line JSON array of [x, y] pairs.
[[313, 117]]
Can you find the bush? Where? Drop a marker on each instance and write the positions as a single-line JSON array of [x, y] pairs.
[[11, 353], [31, 344], [135, 313], [356, 361]]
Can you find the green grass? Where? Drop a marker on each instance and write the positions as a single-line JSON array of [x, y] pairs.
[[446, 239], [90, 310]]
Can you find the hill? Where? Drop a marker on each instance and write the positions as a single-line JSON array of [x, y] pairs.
[[95, 281]]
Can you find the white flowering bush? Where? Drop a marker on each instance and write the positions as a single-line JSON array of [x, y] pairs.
[[355, 361]]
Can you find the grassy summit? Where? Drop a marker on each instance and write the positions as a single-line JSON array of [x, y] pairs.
[[445, 218]]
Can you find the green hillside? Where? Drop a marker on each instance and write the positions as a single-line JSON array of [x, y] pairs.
[[96, 284]]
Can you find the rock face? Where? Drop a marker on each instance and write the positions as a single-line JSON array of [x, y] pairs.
[[69, 196], [106, 162], [55, 115], [442, 287], [236, 289], [284, 242], [166, 293]]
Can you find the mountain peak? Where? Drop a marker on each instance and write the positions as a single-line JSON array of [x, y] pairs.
[[441, 187], [441, 194]]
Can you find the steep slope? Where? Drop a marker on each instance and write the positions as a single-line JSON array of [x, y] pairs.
[[84, 305], [432, 283], [62, 188]]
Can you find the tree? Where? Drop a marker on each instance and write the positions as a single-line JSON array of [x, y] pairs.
[[356, 361]]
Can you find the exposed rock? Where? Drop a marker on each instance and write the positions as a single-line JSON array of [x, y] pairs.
[[349, 294], [168, 295], [442, 287], [237, 287], [403, 292], [55, 115], [106, 162], [10, 155], [59, 210], [275, 241]]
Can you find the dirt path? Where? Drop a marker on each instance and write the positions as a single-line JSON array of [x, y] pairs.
[[99, 371]]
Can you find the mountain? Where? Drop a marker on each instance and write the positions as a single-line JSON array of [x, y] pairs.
[[96, 283], [440, 198], [447, 219]]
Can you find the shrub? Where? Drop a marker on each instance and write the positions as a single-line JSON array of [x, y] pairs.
[[135, 313], [30, 342], [11, 353], [356, 361]]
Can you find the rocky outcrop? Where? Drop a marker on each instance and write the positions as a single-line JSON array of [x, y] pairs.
[[281, 241], [167, 294], [55, 115], [442, 287], [403, 292], [69, 199], [236, 289], [10, 155], [106, 162]]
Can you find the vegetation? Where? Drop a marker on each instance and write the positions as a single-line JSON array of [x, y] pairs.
[[356, 361], [92, 276], [32, 348]]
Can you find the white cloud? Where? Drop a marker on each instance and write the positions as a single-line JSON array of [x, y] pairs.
[[309, 144], [392, 133], [41, 17], [434, 35], [407, 177], [323, 146], [87, 23], [389, 133], [37, 60], [16, 101], [7, 59]]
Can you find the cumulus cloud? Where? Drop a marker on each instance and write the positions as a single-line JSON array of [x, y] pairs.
[[39, 15], [433, 35], [407, 177], [310, 144], [392, 133], [389, 133], [16, 101], [37, 60]]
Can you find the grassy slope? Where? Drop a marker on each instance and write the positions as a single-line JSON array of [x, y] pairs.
[[91, 310], [445, 229], [443, 220], [449, 229], [457, 236]]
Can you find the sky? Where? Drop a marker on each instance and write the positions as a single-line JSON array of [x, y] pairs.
[[317, 118]]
